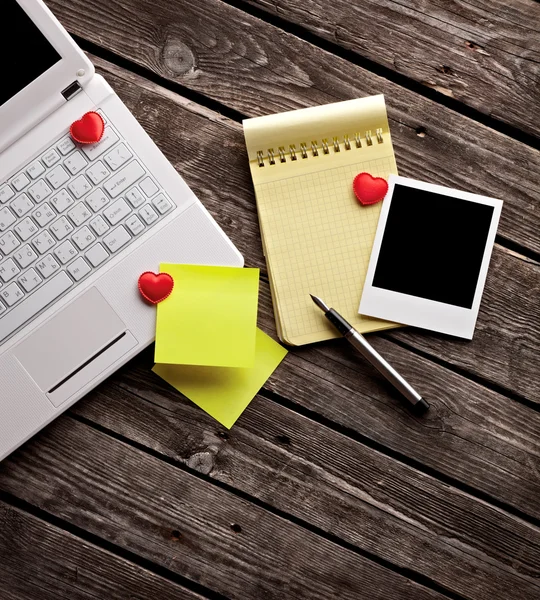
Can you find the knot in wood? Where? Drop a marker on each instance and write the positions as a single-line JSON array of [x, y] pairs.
[[202, 461], [178, 58]]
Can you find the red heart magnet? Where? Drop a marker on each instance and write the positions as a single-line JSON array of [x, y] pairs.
[[155, 287], [89, 129], [369, 189]]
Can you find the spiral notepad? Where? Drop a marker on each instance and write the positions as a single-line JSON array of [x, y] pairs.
[[316, 237]]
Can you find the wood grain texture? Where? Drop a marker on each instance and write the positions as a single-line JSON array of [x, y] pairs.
[[471, 434], [484, 54], [39, 561], [332, 482], [180, 522], [256, 68], [209, 151]]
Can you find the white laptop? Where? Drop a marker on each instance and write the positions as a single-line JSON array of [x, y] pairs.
[[78, 225]]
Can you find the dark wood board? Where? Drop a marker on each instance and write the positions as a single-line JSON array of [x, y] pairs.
[[327, 487], [332, 482], [504, 350], [179, 522], [39, 561], [484, 54], [254, 68]]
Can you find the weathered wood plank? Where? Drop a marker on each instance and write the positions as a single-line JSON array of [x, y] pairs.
[[187, 525], [486, 55], [336, 484], [209, 151], [41, 562], [256, 69]]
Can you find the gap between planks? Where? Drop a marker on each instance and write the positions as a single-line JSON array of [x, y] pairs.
[[119, 551], [376, 68]]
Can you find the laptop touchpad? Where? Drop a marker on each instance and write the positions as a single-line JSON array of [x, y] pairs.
[[64, 344]]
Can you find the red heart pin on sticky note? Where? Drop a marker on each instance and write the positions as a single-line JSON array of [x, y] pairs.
[[369, 189], [155, 287], [89, 129]]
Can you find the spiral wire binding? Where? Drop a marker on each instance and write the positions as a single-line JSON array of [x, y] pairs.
[[325, 146]]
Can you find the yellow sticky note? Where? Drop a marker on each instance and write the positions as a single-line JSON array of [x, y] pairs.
[[210, 318], [224, 393]]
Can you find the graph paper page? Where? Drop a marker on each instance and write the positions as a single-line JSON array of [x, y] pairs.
[[317, 238]]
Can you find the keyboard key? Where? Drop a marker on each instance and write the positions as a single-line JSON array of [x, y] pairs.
[[75, 163], [79, 214], [149, 187], [162, 204], [61, 201], [2, 307], [79, 187], [57, 176], [22, 205], [10, 295], [108, 140], [65, 146], [117, 211], [20, 182], [97, 173], [135, 198], [99, 225], [123, 179], [65, 252], [25, 229], [7, 218], [8, 243], [83, 238], [116, 239], [6, 193], [50, 158], [96, 255], [32, 305], [44, 215], [79, 268], [97, 200], [134, 225], [30, 280], [43, 242], [8, 270], [61, 228], [47, 266], [148, 214], [25, 256], [35, 169], [117, 157], [39, 191]]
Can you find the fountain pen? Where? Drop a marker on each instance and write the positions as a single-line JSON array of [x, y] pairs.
[[358, 341]]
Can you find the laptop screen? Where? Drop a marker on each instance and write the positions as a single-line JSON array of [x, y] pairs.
[[25, 52]]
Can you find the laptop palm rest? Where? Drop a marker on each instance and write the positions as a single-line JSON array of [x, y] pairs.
[[75, 346]]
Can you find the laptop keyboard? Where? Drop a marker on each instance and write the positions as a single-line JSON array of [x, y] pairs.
[[64, 216]]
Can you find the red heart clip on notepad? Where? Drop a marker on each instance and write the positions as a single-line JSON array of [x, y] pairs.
[[155, 288], [368, 189], [89, 129]]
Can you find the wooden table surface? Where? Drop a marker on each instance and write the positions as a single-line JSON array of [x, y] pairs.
[[327, 487]]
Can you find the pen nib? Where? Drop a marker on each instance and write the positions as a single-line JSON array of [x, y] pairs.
[[320, 303]]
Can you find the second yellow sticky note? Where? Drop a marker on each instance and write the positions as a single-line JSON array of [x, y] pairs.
[[210, 318]]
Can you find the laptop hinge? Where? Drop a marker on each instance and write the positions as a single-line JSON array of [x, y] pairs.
[[71, 90]]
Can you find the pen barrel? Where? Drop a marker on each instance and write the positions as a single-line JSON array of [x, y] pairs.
[[359, 342]]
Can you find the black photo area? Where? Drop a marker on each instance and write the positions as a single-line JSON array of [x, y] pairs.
[[433, 246], [26, 53]]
